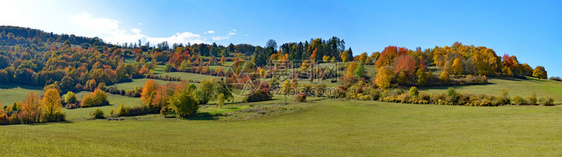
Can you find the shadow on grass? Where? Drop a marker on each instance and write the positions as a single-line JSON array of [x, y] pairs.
[[203, 116], [12, 86], [445, 87], [510, 78]]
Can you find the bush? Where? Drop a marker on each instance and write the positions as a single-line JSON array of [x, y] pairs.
[[301, 97], [414, 92], [121, 111], [451, 92], [98, 98], [97, 114], [70, 98], [139, 110], [533, 99], [547, 101], [517, 100]]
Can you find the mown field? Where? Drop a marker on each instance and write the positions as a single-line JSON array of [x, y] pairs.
[[323, 128]]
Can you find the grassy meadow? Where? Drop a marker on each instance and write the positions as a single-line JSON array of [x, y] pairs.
[[319, 128]]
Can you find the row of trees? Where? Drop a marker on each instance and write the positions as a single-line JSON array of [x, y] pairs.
[[34, 109]]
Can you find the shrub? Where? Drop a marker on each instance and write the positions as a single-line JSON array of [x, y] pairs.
[[257, 96], [70, 98], [140, 110], [97, 114], [451, 92], [112, 113], [533, 99], [98, 98], [301, 97], [517, 100], [414, 92], [121, 111], [504, 98], [546, 101]]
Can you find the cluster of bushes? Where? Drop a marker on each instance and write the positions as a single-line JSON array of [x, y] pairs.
[[165, 78], [34, 109], [260, 94], [135, 93], [557, 78], [180, 99], [97, 98], [136, 110]]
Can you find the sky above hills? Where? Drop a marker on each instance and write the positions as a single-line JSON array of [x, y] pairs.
[[531, 30]]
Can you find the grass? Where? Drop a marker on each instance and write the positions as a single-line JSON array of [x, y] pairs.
[[12, 93], [138, 82], [325, 128], [519, 87], [187, 76]]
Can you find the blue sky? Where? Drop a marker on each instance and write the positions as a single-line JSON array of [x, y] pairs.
[[531, 30]]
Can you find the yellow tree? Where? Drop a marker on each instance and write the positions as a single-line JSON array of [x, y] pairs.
[[540, 72], [343, 56], [363, 58], [51, 105], [350, 69], [444, 76], [326, 59], [384, 76], [149, 87], [457, 67]]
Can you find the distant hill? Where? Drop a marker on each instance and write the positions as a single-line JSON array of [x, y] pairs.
[[14, 35]]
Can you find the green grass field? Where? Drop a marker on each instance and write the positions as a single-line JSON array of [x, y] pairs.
[[519, 87], [320, 127], [138, 83], [12, 93], [324, 128]]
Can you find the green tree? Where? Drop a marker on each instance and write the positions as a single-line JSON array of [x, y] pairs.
[[70, 98], [206, 87], [422, 76], [360, 71], [184, 103]]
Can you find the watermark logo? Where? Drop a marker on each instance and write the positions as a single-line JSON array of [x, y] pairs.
[[306, 76]]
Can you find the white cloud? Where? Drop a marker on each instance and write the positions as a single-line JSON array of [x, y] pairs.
[[109, 30], [210, 32], [224, 37], [136, 30], [220, 37], [97, 25], [140, 23]]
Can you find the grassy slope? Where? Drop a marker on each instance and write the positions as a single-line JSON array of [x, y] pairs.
[[519, 87], [138, 82], [331, 128], [12, 93]]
